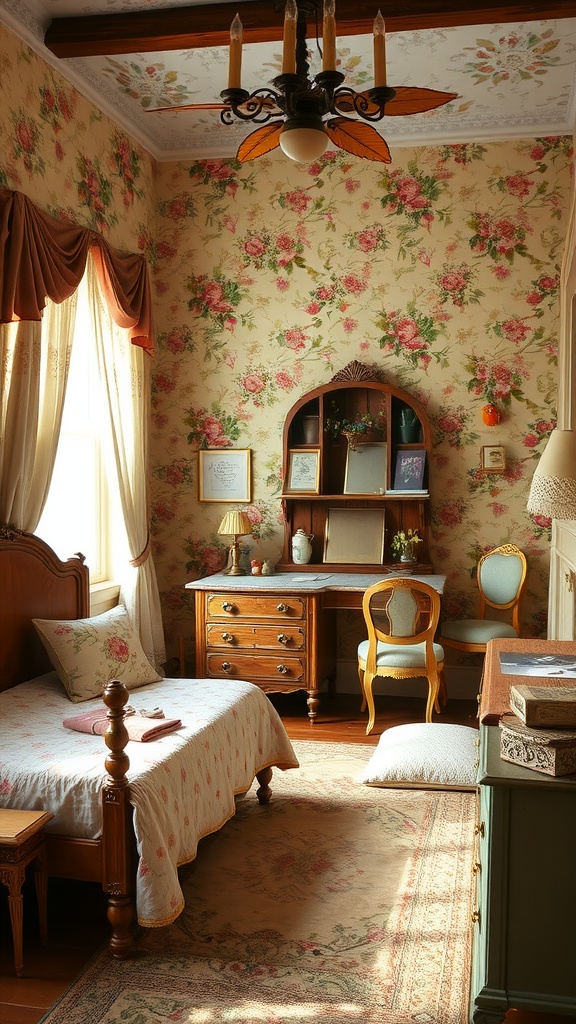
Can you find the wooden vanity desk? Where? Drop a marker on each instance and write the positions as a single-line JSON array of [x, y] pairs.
[[279, 631]]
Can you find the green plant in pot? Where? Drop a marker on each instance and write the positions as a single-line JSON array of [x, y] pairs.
[[404, 544]]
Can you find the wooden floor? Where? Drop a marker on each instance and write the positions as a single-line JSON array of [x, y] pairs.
[[74, 938]]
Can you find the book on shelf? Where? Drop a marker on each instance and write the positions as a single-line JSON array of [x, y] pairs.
[[547, 666], [405, 492], [545, 706]]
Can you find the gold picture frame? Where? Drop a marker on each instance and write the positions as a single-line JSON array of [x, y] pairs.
[[493, 458], [354, 536], [303, 473], [224, 474]]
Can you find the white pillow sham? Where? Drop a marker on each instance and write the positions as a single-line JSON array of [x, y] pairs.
[[424, 755], [88, 653]]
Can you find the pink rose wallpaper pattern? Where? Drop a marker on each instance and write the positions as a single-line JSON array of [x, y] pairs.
[[442, 269]]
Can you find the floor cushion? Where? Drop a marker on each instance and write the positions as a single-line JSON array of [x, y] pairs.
[[424, 755]]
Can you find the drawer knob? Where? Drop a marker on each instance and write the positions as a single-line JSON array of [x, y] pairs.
[[226, 666], [283, 669], [479, 829], [476, 867], [475, 915], [228, 638], [228, 606], [282, 607], [283, 639]]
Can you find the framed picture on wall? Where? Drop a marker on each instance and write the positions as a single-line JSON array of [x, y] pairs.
[[493, 458], [409, 472], [303, 472], [224, 474]]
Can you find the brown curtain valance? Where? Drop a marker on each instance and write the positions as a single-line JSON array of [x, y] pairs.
[[41, 257]]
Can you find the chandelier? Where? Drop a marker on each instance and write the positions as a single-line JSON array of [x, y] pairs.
[[295, 113]]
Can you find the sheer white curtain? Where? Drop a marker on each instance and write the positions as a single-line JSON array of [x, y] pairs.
[[34, 363], [125, 370]]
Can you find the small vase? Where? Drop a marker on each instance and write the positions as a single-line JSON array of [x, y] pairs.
[[408, 554]]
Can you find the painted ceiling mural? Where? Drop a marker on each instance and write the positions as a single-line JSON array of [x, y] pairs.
[[511, 79], [442, 269]]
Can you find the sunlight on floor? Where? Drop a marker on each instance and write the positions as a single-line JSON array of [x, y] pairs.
[[280, 1012]]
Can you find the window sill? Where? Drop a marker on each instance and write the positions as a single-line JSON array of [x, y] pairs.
[[103, 595]]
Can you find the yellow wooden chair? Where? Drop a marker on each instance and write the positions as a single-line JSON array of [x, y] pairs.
[[501, 575], [401, 616]]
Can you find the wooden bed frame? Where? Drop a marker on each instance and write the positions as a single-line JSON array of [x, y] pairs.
[[36, 584]]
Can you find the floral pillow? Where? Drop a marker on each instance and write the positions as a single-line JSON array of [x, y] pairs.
[[88, 653]]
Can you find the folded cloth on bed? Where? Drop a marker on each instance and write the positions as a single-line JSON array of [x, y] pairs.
[[139, 727]]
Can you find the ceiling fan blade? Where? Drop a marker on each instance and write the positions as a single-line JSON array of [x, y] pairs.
[[189, 106], [262, 141], [411, 100], [358, 138]]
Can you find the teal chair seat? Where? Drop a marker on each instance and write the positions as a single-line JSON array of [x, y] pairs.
[[476, 631], [411, 656]]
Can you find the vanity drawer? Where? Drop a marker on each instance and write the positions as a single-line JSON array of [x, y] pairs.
[[282, 637], [255, 667], [254, 606]]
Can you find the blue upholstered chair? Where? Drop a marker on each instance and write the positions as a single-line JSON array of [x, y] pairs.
[[500, 575], [401, 615]]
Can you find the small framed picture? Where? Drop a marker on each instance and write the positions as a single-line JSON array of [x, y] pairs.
[[354, 536], [303, 475], [409, 472], [224, 474], [366, 469], [493, 458]]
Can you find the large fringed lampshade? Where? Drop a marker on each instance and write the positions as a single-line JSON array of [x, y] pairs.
[[553, 487], [235, 524]]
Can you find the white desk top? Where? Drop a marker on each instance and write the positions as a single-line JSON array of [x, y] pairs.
[[307, 582]]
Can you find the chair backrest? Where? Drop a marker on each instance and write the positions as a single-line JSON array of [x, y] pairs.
[[501, 575], [401, 611]]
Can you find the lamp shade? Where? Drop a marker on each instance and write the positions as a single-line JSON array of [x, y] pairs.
[[553, 487], [235, 524]]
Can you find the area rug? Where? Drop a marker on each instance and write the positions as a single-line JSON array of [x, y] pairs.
[[337, 902]]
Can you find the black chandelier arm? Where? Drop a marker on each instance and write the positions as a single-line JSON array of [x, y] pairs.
[[369, 105], [258, 106]]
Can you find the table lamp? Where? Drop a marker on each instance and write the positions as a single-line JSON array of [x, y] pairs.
[[235, 524]]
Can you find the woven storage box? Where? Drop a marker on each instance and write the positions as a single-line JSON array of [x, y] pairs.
[[551, 751], [545, 707]]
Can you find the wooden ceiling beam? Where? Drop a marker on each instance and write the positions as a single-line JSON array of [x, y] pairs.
[[188, 28]]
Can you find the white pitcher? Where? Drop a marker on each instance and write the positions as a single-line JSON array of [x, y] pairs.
[[302, 547]]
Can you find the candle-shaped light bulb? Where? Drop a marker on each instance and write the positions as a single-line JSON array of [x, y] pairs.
[[379, 50], [329, 37], [289, 47], [235, 63]]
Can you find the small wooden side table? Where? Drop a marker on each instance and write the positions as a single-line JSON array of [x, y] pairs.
[[22, 842]]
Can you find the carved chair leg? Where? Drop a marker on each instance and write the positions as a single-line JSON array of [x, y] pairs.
[[368, 680], [361, 678]]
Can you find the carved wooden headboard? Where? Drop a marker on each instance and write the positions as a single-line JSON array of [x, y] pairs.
[[34, 583]]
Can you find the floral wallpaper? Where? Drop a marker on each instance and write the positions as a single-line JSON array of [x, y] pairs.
[[442, 269]]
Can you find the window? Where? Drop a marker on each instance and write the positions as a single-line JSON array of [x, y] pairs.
[[78, 510]]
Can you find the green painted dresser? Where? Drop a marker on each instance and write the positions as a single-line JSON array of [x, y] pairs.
[[524, 946]]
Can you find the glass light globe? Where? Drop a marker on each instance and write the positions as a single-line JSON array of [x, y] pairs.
[[303, 144]]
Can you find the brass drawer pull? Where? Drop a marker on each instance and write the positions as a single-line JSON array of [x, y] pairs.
[[476, 867], [283, 639], [282, 607], [283, 670], [227, 606], [229, 638], [479, 829], [226, 666], [475, 915]]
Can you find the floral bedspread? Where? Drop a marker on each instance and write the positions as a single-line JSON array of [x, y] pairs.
[[182, 786]]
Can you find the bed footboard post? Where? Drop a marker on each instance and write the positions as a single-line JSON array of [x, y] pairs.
[[118, 868], [264, 792]]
